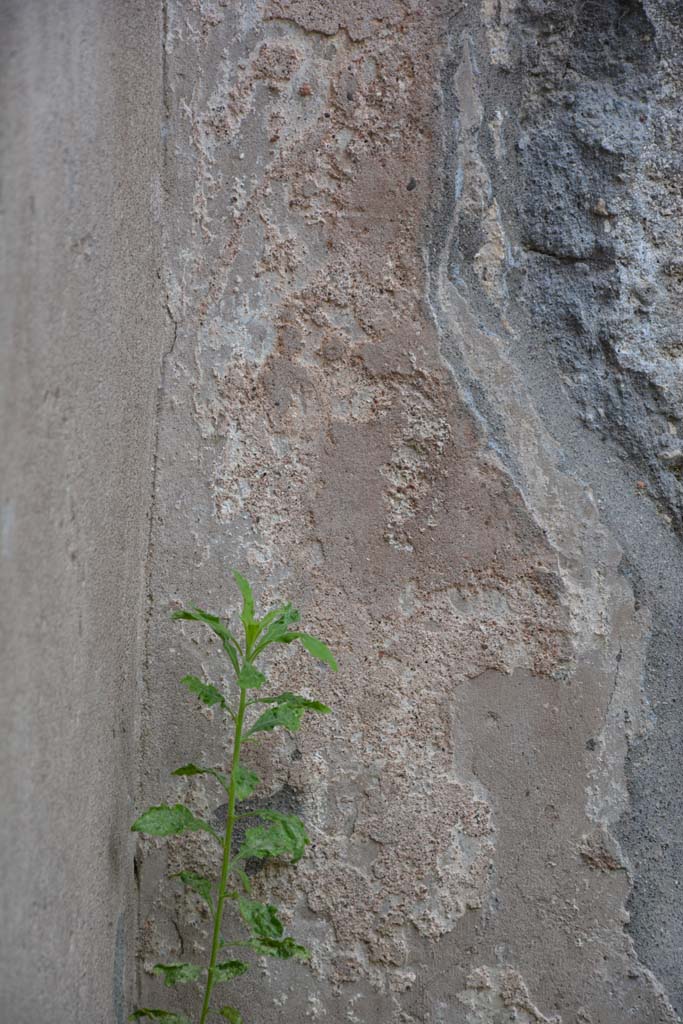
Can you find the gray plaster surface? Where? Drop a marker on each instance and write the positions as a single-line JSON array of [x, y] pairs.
[[380, 303], [82, 328]]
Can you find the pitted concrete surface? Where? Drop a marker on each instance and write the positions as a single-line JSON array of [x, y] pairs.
[[419, 276]]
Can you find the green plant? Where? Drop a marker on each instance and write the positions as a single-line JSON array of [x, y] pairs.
[[281, 835]]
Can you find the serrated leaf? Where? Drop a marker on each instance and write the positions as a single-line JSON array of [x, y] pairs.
[[178, 974], [163, 1015], [250, 678], [288, 712], [283, 949], [285, 715], [229, 969], [169, 821], [197, 883], [291, 822], [194, 769], [231, 1014], [261, 918], [207, 693], [230, 645], [317, 648], [286, 836], [246, 782]]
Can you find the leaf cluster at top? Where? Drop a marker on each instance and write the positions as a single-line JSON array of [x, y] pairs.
[[274, 628]]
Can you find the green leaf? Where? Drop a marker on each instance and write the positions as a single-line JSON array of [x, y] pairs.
[[251, 625], [197, 883], [176, 974], [169, 821], [284, 949], [279, 630], [288, 712], [207, 693], [285, 715], [317, 648], [231, 1014], [296, 701], [286, 836], [229, 969], [244, 879], [163, 1015], [193, 769], [261, 918], [246, 782], [250, 678], [286, 614], [247, 597], [230, 645]]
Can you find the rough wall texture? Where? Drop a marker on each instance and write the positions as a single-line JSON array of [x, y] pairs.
[[82, 327], [421, 261], [421, 292]]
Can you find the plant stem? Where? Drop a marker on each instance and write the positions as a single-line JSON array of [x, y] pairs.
[[227, 843]]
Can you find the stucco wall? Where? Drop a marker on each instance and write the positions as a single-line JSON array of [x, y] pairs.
[[82, 327], [417, 388], [415, 315]]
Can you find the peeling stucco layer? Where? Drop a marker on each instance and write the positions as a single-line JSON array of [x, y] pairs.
[[390, 239]]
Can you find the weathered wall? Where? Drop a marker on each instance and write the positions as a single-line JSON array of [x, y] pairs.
[[426, 382], [417, 294], [82, 329]]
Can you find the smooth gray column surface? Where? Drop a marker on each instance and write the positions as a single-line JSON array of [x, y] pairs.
[[81, 333]]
